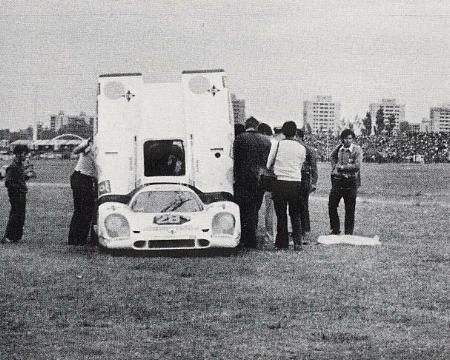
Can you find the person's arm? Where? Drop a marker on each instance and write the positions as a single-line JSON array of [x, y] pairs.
[[82, 147], [354, 166], [334, 158], [272, 154], [313, 168], [11, 176], [236, 157]]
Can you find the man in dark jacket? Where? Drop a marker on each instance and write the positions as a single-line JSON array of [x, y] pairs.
[[250, 152], [17, 190], [309, 181]]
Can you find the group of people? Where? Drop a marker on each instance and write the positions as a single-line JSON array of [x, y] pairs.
[[432, 147], [83, 183], [255, 147], [295, 169]]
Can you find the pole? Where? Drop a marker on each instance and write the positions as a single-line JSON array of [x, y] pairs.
[[35, 126]]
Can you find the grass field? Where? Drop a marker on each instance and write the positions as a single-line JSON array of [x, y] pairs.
[[327, 302]]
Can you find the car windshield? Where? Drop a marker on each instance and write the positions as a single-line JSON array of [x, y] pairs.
[[166, 201]]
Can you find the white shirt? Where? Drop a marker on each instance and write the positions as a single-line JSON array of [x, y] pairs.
[[86, 164], [288, 160]]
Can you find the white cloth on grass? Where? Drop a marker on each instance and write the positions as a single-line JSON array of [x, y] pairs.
[[348, 239]]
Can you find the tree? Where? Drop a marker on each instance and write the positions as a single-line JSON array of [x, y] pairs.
[[357, 124], [380, 120], [341, 125], [391, 124], [367, 122], [46, 134], [404, 127], [308, 128]]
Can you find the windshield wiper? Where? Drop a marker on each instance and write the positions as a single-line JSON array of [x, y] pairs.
[[175, 205]]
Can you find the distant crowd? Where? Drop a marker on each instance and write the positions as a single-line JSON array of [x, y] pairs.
[[416, 147], [423, 147]]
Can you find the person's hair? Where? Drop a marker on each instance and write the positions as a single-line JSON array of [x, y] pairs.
[[301, 133], [20, 149], [238, 128], [277, 130], [265, 129], [251, 122], [347, 132], [289, 129]]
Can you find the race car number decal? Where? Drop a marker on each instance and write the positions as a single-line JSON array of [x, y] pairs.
[[170, 219]]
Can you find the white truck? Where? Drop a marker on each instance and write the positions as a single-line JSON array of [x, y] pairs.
[[164, 161]]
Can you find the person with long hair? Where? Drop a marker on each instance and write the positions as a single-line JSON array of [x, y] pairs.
[[346, 162]]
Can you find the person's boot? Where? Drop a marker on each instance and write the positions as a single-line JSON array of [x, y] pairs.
[[298, 247]]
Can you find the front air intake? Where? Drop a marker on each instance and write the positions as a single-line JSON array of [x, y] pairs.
[[168, 244], [203, 243]]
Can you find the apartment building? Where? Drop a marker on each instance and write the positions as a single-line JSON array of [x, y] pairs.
[[322, 114], [58, 121], [440, 118], [390, 107], [238, 109]]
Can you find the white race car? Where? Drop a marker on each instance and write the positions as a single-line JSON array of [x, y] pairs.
[[167, 216]]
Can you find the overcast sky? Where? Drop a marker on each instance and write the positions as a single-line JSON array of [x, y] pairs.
[[276, 53]]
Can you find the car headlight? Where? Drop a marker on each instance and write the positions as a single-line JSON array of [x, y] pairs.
[[223, 223], [117, 226]]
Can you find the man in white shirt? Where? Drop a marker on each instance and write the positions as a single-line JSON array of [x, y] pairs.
[[82, 182], [287, 157]]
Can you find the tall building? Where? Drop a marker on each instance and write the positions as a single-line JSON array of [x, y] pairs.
[[440, 118], [389, 107], [238, 109], [322, 114], [60, 120]]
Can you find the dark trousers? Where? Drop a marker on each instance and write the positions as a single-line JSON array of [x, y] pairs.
[[304, 210], [249, 201], [84, 208], [14, 228], [349, 196], [286, 194]]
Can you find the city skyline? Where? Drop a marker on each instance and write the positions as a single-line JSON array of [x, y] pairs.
[[277, 54]]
